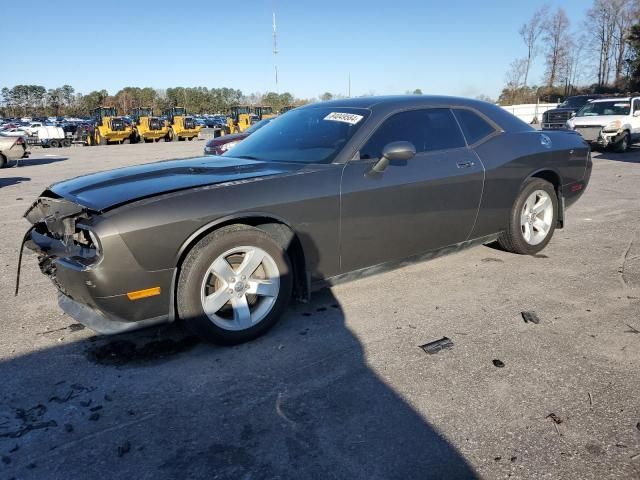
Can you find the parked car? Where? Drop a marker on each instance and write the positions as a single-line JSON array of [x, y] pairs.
[[557, 117], [12, 148], [220, 145], [14, 132], [610, 122], [330, 191]]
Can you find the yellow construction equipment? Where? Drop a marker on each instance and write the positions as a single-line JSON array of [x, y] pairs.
[[263, 112], [146, 127], [240, 119], [181, 126], [110, 128]]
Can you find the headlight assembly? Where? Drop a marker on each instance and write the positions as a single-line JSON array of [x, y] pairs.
[[612, 126]]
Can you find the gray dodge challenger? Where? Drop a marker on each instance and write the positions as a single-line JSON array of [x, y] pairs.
[[326, 192]]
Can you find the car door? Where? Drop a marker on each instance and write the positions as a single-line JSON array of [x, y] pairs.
[[414, 206]]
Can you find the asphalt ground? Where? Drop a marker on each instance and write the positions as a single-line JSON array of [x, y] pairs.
[[340, 388]]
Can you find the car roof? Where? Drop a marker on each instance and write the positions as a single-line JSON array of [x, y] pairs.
[[382, 104], [613, 99]]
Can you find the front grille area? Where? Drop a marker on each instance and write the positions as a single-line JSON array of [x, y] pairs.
[[117, 125], [590, 134], [189, 123], [155, 124], [557, 117]]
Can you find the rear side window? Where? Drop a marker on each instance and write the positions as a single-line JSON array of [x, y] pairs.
[[475, 127], [428, 130]]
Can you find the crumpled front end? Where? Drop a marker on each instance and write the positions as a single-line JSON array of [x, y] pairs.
[[67, 239]]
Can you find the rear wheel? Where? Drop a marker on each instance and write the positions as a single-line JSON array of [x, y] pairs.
[[54, 144], [3, 161], [533, 218], [66, 143], [234, 285]]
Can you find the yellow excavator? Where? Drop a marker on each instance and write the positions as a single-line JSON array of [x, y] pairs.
[[110, 128], [240, 119], [146, 127], [263, 112], [181, 126]]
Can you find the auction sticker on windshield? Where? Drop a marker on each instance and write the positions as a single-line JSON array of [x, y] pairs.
[[350, 118]]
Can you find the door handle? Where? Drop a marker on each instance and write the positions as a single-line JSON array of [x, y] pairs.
[[465, 164]]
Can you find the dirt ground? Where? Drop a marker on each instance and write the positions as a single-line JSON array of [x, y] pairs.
[[341, 389]]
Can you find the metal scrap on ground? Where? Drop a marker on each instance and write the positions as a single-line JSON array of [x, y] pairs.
[[437, 345]]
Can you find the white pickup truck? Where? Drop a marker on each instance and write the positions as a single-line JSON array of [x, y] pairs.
[[609, 122]]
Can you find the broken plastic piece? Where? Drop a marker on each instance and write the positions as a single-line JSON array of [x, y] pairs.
[[437, 345], [498, 363], [530, 317], [555, 418]]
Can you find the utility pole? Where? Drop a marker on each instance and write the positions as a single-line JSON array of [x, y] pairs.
[[349, 84], [275, 47]]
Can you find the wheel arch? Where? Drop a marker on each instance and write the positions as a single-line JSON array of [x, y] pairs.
[[275, 226]]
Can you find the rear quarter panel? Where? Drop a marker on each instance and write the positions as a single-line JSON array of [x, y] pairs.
[[511, 158]]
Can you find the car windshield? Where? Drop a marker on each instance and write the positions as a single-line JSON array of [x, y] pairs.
[[613, 107], [574, 102], [308, 135]]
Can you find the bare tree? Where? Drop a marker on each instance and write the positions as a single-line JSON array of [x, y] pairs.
[[601, 21], [514, 78], [556, 37], [530, 33], [623, 18]]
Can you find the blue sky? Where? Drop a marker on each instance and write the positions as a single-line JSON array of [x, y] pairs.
[[460, 47]]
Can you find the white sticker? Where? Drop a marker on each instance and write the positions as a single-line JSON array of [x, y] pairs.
[[350, 118]]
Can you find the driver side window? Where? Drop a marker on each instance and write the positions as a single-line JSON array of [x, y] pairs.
[[428, 130]]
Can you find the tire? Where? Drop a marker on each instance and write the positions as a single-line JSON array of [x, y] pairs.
[[524, 222], [3, 161], [622, 145], [66, 143], [54, 144], [99, 140], [244, 316], [190, 138]]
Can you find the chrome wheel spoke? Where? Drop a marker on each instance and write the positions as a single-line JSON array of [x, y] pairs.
[[215, 301], [241, 311], [252, 260], [541, 204], [541, 226], [527, 232], [264, 288], [223, 270]]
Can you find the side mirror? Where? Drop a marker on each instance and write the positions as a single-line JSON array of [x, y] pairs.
[[394, 151], [573, 114]]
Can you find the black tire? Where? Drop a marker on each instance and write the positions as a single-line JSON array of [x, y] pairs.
[[66, 143], [54, 144], [3, 161], [622, 145], [512, 239], [195, 267]]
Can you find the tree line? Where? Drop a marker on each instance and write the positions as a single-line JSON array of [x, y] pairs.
[[600, 55], [36, 100]]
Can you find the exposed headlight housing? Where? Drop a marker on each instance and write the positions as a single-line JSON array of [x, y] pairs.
[[88, 249], [613, 126], [228, 146]]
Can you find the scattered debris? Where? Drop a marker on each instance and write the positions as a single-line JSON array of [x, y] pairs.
[[437, 345], [631, 329], [29, 427], [555, 418], [94, 417], [118, 352], [540, 255], [107, 397], [335, 305], [635, 456], [86, 403], [590, 399], [306, 314], [497, 459], [498, 363], [32, 465], [621, 445], [491, 259], [638, 426], [530, 317], [76, 390], [304, 332], [96, 408], [76, 327], [124, 448], [513, 459]]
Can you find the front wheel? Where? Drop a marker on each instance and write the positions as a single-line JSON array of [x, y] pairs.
[[234, 285], [532, 220], [622, 145]]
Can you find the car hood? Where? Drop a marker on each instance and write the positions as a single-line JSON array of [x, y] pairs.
[[105, 190], [226, 139], [597, 120]]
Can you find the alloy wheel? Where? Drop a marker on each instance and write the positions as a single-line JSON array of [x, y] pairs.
[[536, 217]]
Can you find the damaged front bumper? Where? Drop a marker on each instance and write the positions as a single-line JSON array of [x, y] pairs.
[[597, 135], [92, 290]]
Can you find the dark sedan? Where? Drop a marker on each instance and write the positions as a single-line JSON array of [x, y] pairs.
[[220, 145], [328, 192]]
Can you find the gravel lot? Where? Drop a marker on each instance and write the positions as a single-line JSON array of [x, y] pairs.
[[340, 388]]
